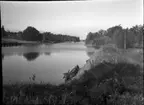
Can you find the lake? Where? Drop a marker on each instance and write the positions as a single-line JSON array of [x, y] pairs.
[[47, 62]]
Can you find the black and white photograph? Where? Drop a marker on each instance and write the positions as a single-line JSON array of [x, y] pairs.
[[78, 52]]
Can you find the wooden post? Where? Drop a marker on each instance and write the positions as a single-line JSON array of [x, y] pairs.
[[125, 38]]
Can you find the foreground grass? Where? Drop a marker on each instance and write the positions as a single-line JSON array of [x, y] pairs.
[[121, 84]]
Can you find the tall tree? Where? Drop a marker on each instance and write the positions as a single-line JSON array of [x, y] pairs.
[[31, 34]]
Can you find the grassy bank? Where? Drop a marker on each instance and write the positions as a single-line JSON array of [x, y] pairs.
[[122, 84]]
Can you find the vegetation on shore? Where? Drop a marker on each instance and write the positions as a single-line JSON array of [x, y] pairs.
[[122, 38], [122, 84], [32, 34]]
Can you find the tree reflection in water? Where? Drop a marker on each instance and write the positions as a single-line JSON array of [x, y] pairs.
[[31, 55], [47, 53]]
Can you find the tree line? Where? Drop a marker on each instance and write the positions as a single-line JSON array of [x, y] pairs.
[[59, 37], [32, 34], [122, 38]]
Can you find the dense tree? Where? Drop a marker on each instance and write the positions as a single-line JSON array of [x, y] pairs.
[[135, 35], [117, 35], [91, 37], [98, 42], [31, 34], [122, 38], [9, 34], [50, 37], [102, 32]]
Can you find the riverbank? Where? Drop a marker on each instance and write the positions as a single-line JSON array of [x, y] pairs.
[[14, 42], [117, 86]]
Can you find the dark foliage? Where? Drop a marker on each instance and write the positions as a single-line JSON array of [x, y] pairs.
[[32, 34], [50, 37], [111, 88], [31, 55], [129, 38]]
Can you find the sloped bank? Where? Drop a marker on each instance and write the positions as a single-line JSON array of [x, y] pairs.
[[111, 76], [111, 54]]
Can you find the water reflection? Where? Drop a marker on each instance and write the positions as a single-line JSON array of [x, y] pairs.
[[47, 62], [47, 53], [31, 56]]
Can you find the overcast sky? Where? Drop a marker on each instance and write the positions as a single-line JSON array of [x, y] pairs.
[[75, 18]]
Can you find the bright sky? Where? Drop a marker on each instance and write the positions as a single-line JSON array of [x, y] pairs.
[[76, 18]]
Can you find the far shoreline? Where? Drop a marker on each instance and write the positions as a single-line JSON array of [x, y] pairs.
[[14, 42]]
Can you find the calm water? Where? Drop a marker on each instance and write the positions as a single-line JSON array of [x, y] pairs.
[[47, 62]]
